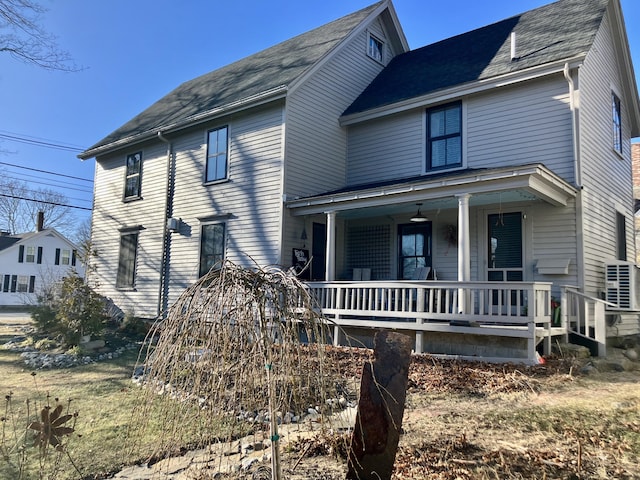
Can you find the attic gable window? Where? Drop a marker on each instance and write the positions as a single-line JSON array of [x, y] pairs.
[[217, 154], [375, 48], [132, 182], [444, 136], [617, 123]]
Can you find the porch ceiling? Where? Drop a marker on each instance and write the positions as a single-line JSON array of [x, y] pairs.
[[525, 183]]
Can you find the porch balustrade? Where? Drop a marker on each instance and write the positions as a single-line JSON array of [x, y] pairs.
[[513, 309]]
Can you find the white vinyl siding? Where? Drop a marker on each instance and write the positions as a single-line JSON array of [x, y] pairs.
[[110, 217], [606, 177], [316, 145], [249, 203], [386, 149]]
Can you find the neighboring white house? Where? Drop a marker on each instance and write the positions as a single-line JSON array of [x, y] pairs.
[[512, 142], [32, 262]]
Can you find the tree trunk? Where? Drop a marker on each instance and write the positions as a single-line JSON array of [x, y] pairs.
[[383, 392]]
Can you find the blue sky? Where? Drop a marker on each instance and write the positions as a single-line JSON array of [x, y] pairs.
[[135, 51]]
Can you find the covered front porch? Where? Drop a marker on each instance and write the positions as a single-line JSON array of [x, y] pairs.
[[449, 259]]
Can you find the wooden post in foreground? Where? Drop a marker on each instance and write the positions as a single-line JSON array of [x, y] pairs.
[[383, 393]]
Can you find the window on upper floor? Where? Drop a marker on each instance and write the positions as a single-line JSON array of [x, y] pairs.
[[126, 275], [212, 243], [375, 48], [133, 175], [444, 137], [217, 154], [617, 123], [31, 255]]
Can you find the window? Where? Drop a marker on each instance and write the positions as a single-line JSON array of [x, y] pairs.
[[505, 247], [415, 249], [211, 246], [375, 48], [31, 254], [23, 283], [65, 257], [127, 260], [617, 123], [444, 137], [216, 154], [132, 181]]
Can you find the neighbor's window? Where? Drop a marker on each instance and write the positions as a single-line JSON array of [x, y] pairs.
[[375, 48], [211, 246], [617, 123], [65, 257], [444, 136], [217, 154], [31, 254], [23, 283], [127, 260], [132, 182]]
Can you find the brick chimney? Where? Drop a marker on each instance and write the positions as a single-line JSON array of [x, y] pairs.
[[40, 222]]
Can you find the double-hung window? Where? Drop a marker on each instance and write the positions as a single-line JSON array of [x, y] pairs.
[[617, 123], [133, 171], [217, 154], [211, 246], [127, 260], [375, 48], [444, 137], [31, 254]]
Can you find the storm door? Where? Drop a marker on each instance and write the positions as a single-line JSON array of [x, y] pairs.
[[505, 254]]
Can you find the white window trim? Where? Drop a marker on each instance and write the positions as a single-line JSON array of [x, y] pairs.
[[370, 36], [425, 136]]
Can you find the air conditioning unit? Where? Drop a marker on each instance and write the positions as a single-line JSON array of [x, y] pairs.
[[621, 285]]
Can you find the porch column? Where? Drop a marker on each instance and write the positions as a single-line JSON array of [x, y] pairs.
[[464, 250], [464, 241], [330, 254]]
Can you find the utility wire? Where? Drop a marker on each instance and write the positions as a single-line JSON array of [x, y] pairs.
[[44, 201], [59, 183], [45, 171], [39, 142], [55, 185]]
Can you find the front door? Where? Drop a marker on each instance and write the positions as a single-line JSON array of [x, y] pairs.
[[318, 252], [414, 241]]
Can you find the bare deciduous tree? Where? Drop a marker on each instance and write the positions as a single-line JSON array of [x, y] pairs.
[[19, 207], [22, 36]]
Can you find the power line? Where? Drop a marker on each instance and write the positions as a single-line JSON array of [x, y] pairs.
[[44, 201], [55, 185], [14, 137], [45, 171]]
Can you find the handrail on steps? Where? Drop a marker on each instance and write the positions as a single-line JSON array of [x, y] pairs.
[[584, 316]]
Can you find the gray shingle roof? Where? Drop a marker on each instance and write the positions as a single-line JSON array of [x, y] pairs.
[[274, 67], [554, 32]]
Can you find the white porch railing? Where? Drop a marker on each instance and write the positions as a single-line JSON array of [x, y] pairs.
[[584, 316], [510, 309]]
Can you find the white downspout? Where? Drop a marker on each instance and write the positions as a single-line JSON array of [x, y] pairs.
[[574, 105]]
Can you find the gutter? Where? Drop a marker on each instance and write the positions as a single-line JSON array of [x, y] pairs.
[[251, 101]]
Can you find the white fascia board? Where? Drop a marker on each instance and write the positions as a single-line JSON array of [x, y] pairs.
[[533, 178], [462, 90], [234, 107]]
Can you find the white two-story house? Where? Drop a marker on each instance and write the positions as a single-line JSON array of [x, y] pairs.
[[499, 156], [32, 263]]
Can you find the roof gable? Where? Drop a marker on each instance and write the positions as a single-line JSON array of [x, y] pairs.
[[275, 67], [8, 241], [561, 30]]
